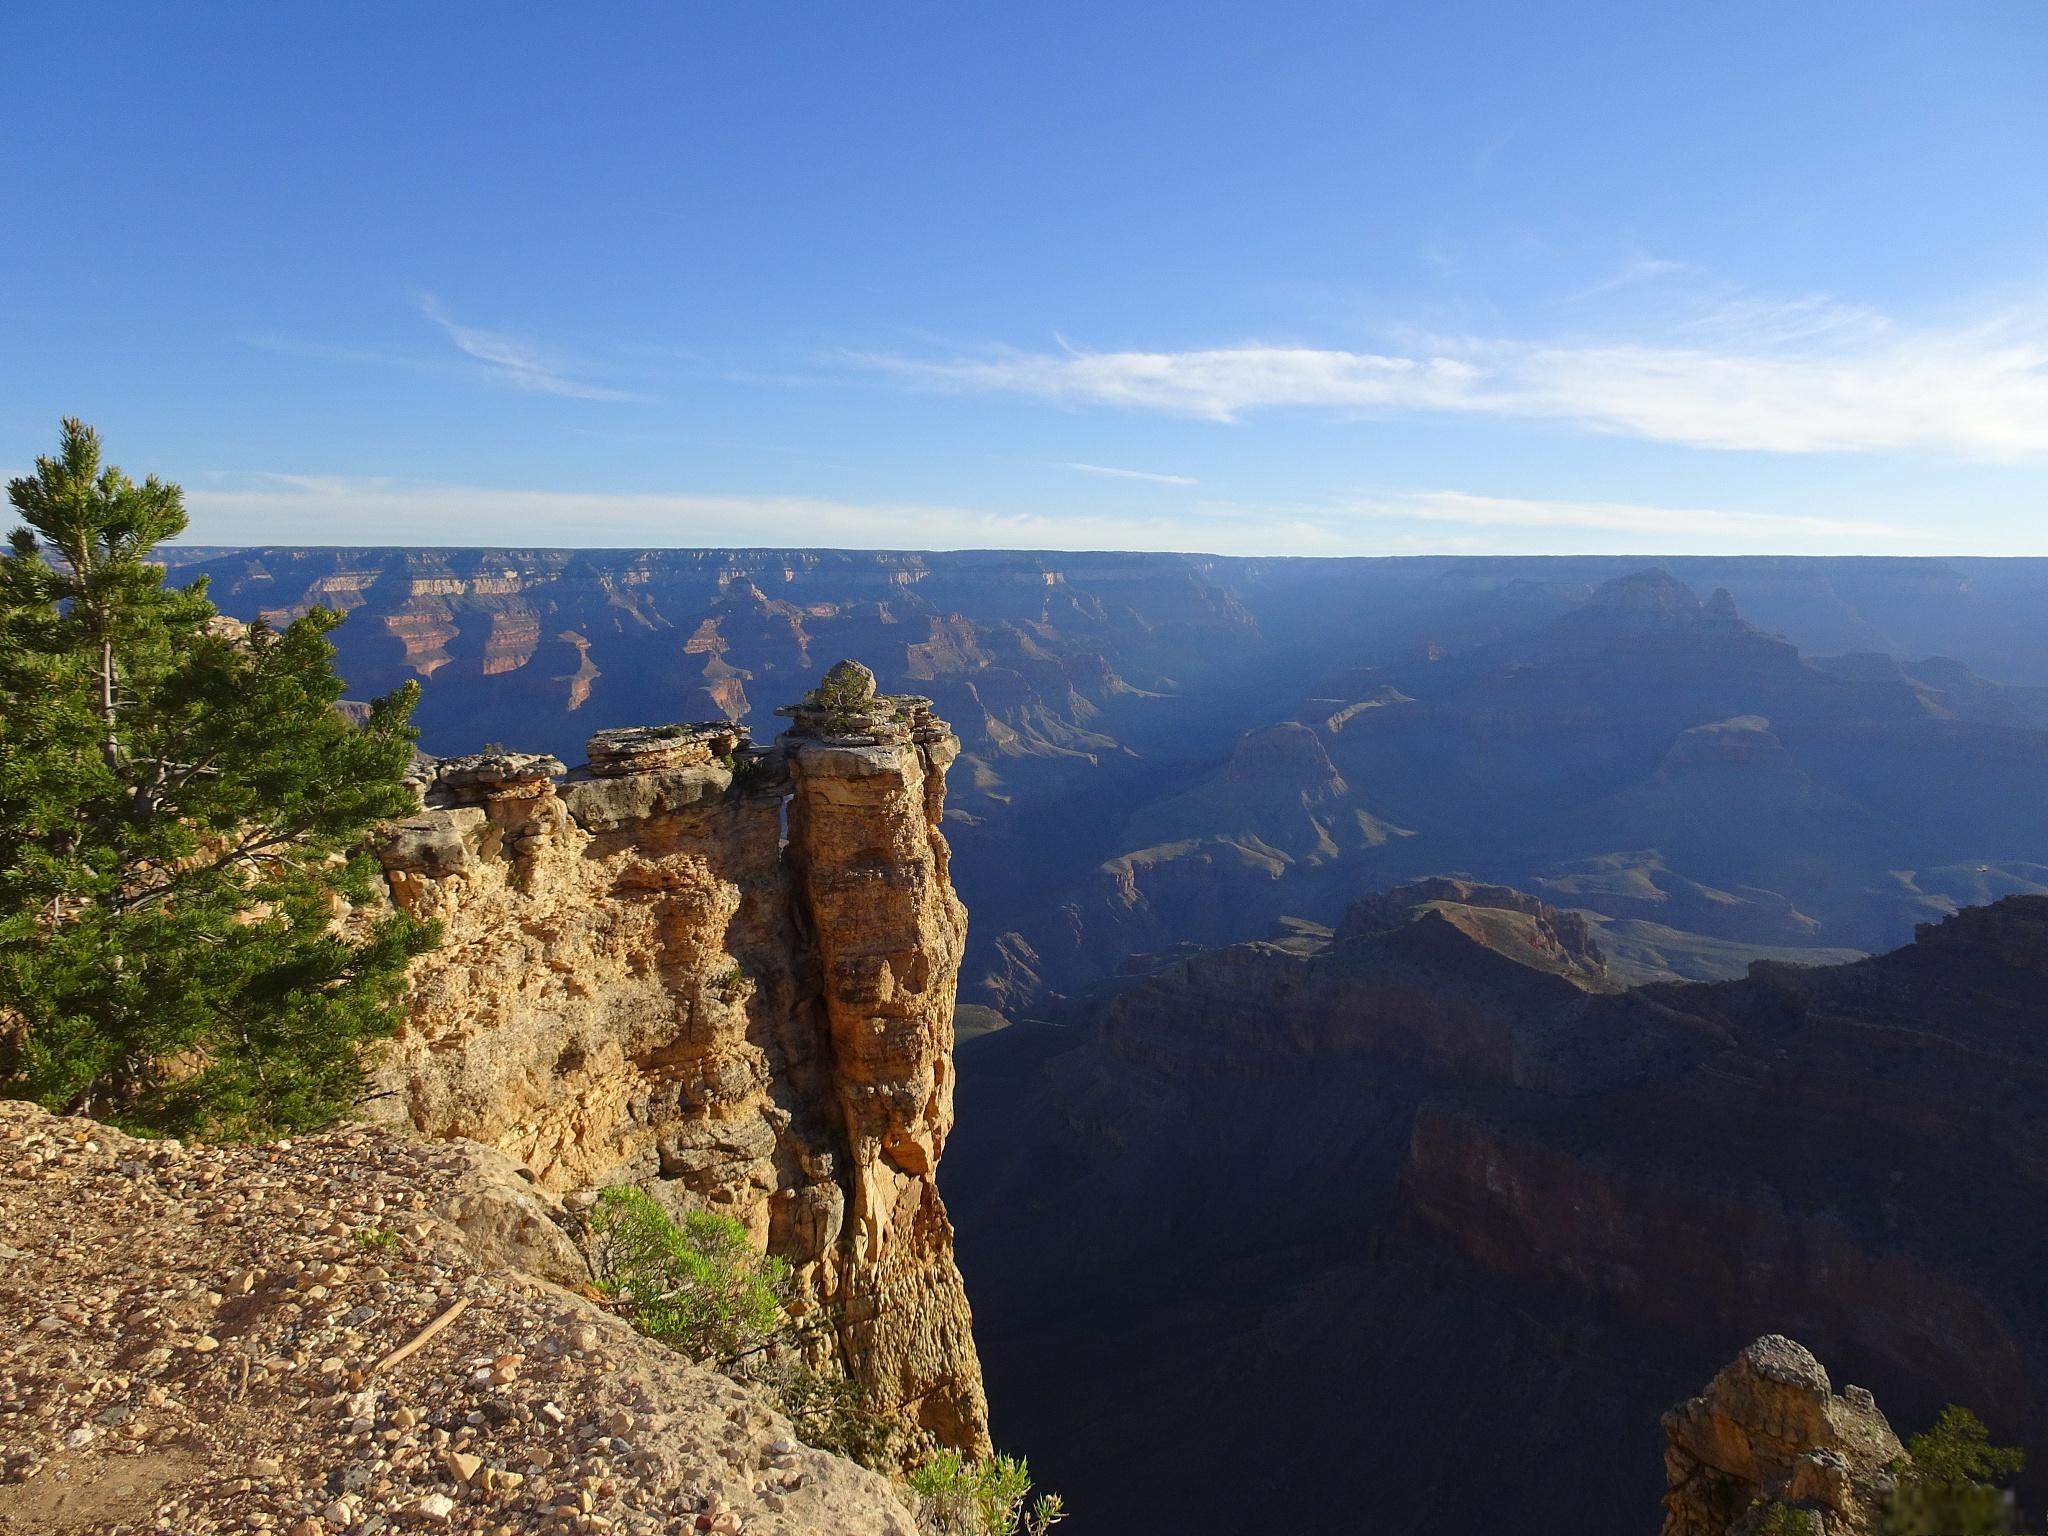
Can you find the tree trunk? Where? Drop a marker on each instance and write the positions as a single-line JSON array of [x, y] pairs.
[[110, 747]]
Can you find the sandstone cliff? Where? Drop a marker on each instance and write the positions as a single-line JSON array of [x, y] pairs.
[[1770, 1430], [726, 974]]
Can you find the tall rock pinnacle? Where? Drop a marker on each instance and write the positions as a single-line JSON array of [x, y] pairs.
[[724, 973]]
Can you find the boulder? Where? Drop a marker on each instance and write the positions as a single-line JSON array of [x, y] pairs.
[[645, 748], [485, 776], [1770, 1430]]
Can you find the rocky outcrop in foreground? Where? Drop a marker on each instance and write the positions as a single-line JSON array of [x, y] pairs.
[[1770, 1430], [726, 974], [351, 1333]]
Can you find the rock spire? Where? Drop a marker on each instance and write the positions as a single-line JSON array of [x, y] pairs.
[[723, 972]]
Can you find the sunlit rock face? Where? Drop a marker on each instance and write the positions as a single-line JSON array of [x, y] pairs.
[[1770, 1431], [725, 973]]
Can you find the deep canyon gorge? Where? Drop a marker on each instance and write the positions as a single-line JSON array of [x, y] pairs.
[[1419, 1006]]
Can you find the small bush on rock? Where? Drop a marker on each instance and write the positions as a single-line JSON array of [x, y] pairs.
[[699, 1288], [983, 1498], [845, 694], [749, 770], [1783, 1520], [1958, 1450], [834, 1414]]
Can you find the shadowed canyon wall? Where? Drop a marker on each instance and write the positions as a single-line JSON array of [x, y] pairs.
[[1433, 1177]]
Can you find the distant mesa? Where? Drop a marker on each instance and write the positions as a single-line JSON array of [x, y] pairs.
[[1499, 918], [1654, 591]]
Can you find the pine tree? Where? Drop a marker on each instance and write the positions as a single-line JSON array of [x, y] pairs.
[[1949, 1480], [191, 931]]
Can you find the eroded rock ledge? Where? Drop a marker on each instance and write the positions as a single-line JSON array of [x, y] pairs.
[[1770, 1432], [726, 973]]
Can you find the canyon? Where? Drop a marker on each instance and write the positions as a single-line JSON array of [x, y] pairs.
[[1428, 1007], [1438, 1176], [1720, 760]]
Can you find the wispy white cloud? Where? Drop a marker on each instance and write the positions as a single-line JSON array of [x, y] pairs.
[[1807, 376], [299, 509], [506, 359], [311, 509], [516, 361], [1149, 476], [1219, 383], [1655, 526], [1639, 268], [327, 352]]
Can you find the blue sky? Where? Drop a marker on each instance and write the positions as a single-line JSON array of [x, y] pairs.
[[1293, 278]]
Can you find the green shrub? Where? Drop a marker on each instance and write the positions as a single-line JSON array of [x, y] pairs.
[[1958, 1451], [834, 1413], [749, 770], [844, 695], [699, 1288], [1947, 1487], [1928, 1509], [983, 1498], [1783, 1520]]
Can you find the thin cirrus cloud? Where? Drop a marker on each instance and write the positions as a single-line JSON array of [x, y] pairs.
[[1805, 377], [1636, 269], [284, 508], [295, 509], [1150, 477], [499, 357], [516, 361], [1753, 530]]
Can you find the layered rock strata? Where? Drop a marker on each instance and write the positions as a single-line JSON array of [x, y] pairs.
[[724, 973]]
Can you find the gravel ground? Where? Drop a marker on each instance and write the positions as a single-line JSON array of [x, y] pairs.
[[198, 1340]]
